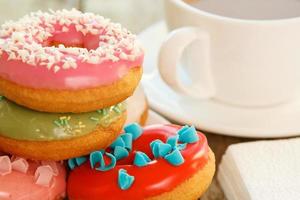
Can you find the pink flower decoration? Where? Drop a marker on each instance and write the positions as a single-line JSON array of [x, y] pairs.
[[53, 165], [5, 165], [20, 165], [44, 175]]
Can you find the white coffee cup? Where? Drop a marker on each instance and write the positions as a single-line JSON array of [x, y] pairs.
[[243, 62]]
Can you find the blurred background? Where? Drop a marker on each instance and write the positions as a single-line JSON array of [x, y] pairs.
[[133, 14]]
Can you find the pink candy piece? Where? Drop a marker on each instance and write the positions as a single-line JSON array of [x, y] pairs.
[[30, 179], [20, 165], [44, 175], [53, 165], [5, 165]]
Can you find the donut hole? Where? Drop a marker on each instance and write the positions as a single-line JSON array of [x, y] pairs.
[[57, 43], [73, 38]]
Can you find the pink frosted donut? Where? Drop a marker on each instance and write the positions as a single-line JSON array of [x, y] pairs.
[[66, 51], [29, 58], [22, 179]]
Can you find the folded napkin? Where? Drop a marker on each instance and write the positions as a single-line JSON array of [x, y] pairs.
[[265, 170]]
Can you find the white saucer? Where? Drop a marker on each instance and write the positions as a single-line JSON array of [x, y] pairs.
[[210, 115]]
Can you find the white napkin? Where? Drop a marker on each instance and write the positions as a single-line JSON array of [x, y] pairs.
[[265, 170]]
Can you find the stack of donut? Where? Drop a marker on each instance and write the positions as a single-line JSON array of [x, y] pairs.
[[65, 77]]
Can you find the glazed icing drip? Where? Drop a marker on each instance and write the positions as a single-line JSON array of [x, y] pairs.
[[33, 180], [20, 123], [154, 178]]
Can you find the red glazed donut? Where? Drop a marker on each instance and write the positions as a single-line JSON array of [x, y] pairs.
[[68, 61], [159, 179]]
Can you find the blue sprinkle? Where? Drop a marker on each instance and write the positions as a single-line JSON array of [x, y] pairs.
[[96, 157], [102, 151], [181, 146], [80, 160], [120, 152], [172, 140], [155, 148], [75, 162], [163, 149], [118, 142], [184, 128], [175, 158], [141, 159], [188, 135], [124, 180], [155, 141], [110, 166], [72, 163], [127, 139], [134, 129]]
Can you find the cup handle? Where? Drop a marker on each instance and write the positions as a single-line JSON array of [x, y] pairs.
[[171, 51]]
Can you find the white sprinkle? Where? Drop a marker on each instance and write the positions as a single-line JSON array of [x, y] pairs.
[[65, 29], [56, 68], [94, 31], [66, 65], [12, 56], [123, 56], [78, 27], [93, 60]]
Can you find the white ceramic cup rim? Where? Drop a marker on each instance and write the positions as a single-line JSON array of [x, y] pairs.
[[190, 8]]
